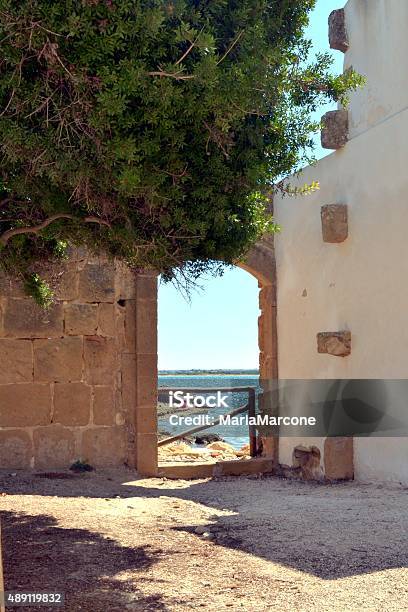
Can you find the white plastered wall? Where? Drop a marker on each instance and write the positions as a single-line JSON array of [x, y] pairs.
[[360, 285]]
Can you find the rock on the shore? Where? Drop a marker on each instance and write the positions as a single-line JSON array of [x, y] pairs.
[[208, 438], [221, 446], [244, 451]]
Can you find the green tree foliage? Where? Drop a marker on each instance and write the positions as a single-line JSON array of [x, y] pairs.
[[150, 129]]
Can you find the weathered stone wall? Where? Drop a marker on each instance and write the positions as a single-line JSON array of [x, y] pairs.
[[68, 374]]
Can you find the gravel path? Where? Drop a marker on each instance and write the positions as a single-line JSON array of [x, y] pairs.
[[115, 543]]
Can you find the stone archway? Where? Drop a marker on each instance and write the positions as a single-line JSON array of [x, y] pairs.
[[261, 264]]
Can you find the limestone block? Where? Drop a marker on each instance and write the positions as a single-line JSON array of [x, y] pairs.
[[338, 36], [81, 319], [54, 447], [334, 343], [146, 287], [338, 458], [129, 373], [257, 465], [146, 391], [107, 319], [125, 281], [25, 404], [334, 222], [23, 318], [15, 449], [104, 409], [58, 359], [120, 332], [268, 366], [335, 129], [267, 297], [72, 403], [16, 361], [104, 446], [146, 420], [97, 282], [260, 262], [101, 360], [146, 454], [130, 325], [66, 283], [146, 366], [146, 325]]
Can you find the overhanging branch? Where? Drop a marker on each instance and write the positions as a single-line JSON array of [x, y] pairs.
[[35, 229]]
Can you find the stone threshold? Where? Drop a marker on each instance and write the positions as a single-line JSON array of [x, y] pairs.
[[186, 471]]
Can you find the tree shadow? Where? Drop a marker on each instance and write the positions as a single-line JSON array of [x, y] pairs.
[[38, 555], [328, 531]]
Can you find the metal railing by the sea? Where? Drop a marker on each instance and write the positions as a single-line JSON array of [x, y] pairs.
[[249, 407]]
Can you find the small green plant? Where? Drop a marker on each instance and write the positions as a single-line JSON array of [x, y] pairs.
[[81, 466], [38, 289], [306, 189]]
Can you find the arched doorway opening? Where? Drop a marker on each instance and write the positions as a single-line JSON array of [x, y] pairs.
[[208, 340], [261, 265]]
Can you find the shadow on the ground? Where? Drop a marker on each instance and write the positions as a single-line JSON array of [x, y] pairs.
[[328, 531], [39, 555], [331, 532]]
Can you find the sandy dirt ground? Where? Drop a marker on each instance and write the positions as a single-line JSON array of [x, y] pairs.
[[112, 542]]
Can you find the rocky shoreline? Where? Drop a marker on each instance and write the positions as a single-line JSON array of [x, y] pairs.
[[214, 451]]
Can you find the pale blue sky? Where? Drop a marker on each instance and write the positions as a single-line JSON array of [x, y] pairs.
[[218, 329]]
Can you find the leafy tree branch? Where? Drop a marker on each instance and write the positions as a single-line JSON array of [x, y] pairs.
[[151, 130]]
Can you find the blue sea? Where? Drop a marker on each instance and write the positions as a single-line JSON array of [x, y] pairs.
[[237, 436]]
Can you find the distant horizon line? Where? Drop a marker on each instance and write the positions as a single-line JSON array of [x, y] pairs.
[[210, 370]]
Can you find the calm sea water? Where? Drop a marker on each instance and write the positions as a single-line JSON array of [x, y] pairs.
[[237, 435]]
